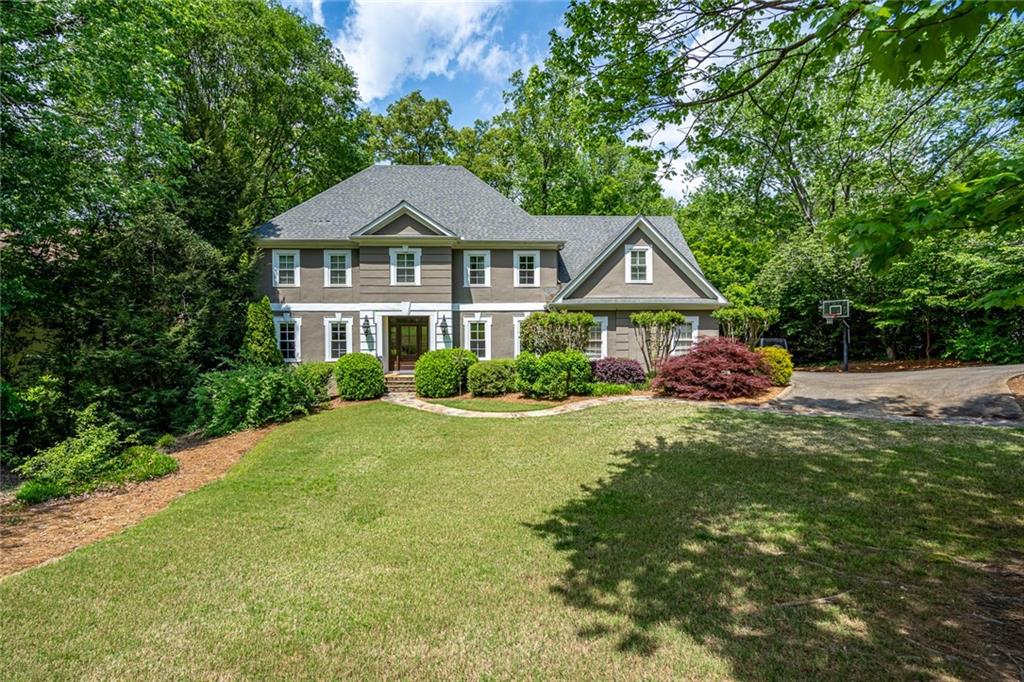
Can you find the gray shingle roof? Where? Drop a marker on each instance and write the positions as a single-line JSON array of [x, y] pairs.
[[461, 202]]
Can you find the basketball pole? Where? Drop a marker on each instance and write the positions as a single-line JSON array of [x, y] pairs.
[[846, 345]]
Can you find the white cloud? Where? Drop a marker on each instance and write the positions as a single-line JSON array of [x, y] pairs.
[[388, 42], [311, 9]]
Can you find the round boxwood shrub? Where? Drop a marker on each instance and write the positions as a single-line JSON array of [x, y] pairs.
[[492, 377], [717, 368], [359, 376], [527, 370], [618, 371], [442, 373], [561, 374], [780, 362]]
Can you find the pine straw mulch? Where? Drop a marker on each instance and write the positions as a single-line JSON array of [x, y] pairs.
[[34, 535]]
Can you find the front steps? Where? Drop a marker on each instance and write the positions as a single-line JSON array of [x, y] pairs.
[[400, 383]]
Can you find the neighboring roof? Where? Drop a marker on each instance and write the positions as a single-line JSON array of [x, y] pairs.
[[459, 202]]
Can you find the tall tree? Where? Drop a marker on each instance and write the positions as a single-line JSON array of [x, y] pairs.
[[415, 130]]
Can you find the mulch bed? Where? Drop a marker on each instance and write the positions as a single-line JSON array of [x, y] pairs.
[[867, 366], [30, 536]]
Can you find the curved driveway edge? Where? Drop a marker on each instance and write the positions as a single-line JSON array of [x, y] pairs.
[[973, 395], [410, 400]]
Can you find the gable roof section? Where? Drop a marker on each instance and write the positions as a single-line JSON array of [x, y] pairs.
[[450, 195], [682, 257], [403, 208]]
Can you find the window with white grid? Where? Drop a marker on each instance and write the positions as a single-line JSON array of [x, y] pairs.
[[478, 339], [287, 339]]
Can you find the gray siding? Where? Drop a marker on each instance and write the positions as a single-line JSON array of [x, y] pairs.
[[503, 289], [374, 282], [311, 280], [405, 225], [312, 334], [609, 280]]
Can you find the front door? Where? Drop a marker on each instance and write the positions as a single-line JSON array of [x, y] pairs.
[[407, 340]]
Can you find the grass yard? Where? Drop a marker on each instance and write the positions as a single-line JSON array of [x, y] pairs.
[[493, 405], [650, 540]]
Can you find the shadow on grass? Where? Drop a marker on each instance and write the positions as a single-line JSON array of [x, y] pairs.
[[797, 548]]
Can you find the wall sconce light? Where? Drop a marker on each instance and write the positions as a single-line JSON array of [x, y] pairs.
[[367, 329], [443, 325]]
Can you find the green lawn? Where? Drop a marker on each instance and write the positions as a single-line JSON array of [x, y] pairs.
[[631, 540], [492, 405]]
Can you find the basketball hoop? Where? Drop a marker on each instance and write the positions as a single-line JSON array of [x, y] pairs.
[[839, 310], [830, 318]]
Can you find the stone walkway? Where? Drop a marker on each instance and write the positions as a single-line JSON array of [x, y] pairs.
[[777, 406], [410, 400]]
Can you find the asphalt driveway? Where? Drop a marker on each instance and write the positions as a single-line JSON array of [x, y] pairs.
[[961, 393]]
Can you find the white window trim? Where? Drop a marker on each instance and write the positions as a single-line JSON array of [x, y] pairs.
[[465, 268], [328, 321], [298, 335], [603, 321], [393, 258], [630, 248], [276, 256], [487, 334], [347, 253], [536, 269], [517, 328], [694, 321]]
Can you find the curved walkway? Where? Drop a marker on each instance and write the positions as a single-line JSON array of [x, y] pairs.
[[410, 400]]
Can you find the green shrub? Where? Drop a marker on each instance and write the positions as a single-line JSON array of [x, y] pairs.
[[561, 374], [259, 346], [442, 373], [34, 417], [360, 376], [84, 457], [141, 463], [601, 389], [316, 376], [780, 362], [545, 332], [247, 397], [492, 377], [165, 441], [36, 491], [527, 371]]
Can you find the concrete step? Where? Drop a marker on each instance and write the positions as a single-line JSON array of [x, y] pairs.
[[400, 383]]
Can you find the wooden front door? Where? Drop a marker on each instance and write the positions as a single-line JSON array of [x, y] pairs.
[[408, 339]]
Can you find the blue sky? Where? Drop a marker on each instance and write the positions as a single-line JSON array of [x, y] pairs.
[[463, 52]]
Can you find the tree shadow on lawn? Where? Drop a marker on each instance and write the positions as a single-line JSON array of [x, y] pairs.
[[796, 548]]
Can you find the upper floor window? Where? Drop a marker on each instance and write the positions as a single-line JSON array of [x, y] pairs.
[[597, 344], [286, 268], [405, 266], [478, 268], [638, 264], [288, 330], [527, 268], [337, 268]]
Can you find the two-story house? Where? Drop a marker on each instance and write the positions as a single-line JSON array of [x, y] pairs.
[[399, 260]]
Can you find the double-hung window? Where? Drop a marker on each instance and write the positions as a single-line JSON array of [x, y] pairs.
[[527, 268], [288, 339], [638, 264], [597, 344], [684, 336], [478, 337], [286, 268], [337, 268], [405, 266], [478, 268], [337, 338]]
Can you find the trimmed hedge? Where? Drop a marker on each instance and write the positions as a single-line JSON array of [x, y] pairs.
[[561, 374], [618, 371], [717, 368], [250, 396], [442, 373], [527, 371], [601, 388], [492, 377], [317, 376], [780, 364], [360, 376]]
